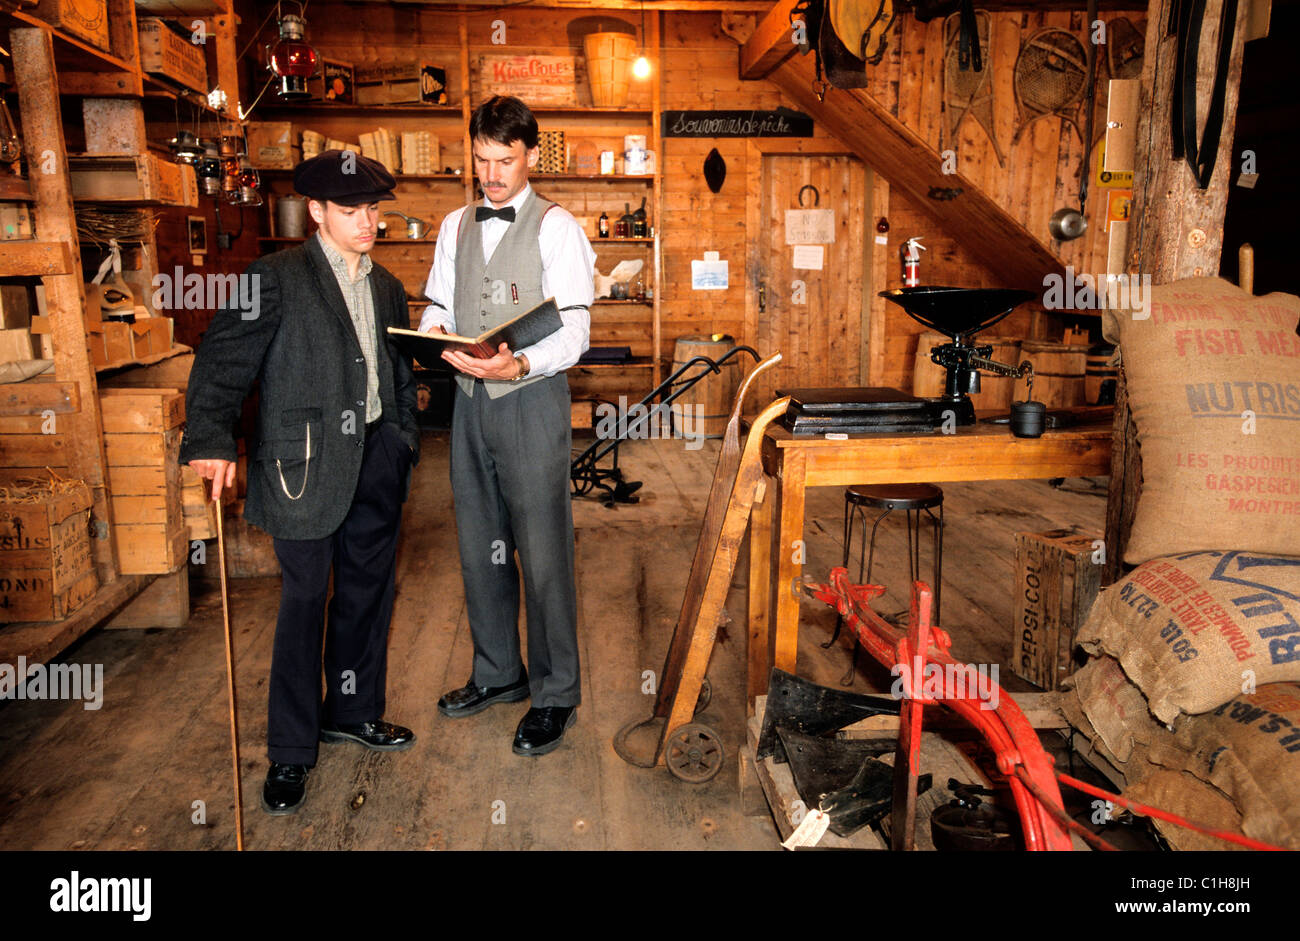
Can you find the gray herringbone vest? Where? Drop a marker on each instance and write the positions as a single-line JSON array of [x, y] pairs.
[[483, 290]]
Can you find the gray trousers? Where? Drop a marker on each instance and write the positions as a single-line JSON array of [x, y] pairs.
[[510, 482]]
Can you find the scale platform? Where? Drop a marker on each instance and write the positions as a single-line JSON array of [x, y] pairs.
[[864, 410]]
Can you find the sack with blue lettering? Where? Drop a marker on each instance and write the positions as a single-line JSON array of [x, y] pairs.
[[1248, 748], [1213, 379], [1195, 630]]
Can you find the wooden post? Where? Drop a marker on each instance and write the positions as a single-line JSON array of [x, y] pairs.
[[1176, 228], [38, 99]]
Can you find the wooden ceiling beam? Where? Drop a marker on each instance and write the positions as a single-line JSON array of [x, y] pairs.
[[978, 222], [771, 44]]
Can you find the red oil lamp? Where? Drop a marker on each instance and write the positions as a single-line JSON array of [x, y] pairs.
[[292, 60]]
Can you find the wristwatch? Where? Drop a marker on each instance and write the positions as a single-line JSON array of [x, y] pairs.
[[523, 368]]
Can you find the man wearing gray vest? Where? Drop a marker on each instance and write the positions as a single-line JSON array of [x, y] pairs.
[[510, 438]]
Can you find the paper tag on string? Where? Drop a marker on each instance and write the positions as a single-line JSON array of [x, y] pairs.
[[810, 831]]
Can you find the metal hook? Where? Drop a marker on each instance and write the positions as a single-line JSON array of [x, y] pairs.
[[820, 88], [817, 197]]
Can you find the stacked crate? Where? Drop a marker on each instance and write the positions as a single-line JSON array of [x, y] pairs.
[[142, 437], [45, 568]]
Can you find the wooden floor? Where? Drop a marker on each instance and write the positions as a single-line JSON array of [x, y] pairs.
[[127, 776]]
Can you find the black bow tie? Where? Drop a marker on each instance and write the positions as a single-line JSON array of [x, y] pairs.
[[486, 212]]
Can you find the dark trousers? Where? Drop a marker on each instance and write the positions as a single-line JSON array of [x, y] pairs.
[[363, 555], [510, 482]]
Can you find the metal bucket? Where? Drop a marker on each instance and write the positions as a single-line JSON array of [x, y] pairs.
[[291, 216]]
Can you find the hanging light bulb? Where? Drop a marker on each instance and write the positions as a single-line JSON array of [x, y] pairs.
[[641, 67], [292, 60]]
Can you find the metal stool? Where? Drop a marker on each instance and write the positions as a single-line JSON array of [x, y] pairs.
[[912, 499]]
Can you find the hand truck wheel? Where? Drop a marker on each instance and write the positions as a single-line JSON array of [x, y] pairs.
[[694, 753]]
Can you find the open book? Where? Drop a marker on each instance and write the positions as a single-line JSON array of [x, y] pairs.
[[522, 331]]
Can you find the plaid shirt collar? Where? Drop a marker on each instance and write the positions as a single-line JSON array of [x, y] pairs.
[[340, 265]]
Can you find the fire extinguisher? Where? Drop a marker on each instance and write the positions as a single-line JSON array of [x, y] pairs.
[[911, 251]]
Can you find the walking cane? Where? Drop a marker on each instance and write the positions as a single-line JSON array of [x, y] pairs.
[[230, 679]]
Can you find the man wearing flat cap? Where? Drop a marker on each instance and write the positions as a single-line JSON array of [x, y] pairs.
[[329, 465]]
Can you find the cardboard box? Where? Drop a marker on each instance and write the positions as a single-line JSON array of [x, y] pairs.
[[85, 19], [270, 145], [46, 572], [164, 52]]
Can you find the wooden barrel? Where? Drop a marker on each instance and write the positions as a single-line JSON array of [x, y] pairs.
[[609, 67], [706, 406], [1097, 371], [996, 392], [1058, 372]]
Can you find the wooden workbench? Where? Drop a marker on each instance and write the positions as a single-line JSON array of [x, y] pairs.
[[793, 464]]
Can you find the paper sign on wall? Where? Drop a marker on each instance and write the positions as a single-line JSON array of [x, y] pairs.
[[809, 226], [809, 257], [710, 274]]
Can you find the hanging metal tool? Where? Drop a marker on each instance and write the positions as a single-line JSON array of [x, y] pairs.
[[1067, 224]]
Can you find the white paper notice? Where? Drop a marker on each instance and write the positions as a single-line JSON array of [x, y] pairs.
[[809, 257], [708, 275], [809, 226]]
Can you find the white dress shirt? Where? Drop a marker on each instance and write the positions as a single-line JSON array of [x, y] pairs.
[[568, 262]]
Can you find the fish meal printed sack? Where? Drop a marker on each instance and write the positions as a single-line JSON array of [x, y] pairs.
[[1195, 630], [1213, 378]]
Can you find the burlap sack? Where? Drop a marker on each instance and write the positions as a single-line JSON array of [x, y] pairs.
[[1213, 379], [1115, 710], [1249, 748], [1195, 630], [1196, 802]]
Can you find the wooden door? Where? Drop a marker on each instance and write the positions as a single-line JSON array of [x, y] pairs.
[[812, 317]]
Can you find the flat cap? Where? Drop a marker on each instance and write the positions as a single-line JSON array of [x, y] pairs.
[[344, 177]]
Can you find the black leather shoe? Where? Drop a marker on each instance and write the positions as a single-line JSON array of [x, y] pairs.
[[378, 735], [284, 790], [541, 729], [470, 699]]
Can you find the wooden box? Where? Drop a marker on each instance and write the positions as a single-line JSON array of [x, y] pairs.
[[163, 52], [400, 82], [270, 145], [132, 179], [46, 571], [141, 444], [85, 19], [1058, 574]]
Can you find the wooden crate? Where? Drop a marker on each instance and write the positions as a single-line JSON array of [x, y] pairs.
[[164, 53], [164, 603], [141, 444], [1057, 579], [85, 19], [46, 571], [196, 503], [132, 179]]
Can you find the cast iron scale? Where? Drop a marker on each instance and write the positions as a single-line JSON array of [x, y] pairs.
[[958, 313]]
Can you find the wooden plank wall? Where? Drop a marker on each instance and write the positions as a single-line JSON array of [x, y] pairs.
[[699, 71]]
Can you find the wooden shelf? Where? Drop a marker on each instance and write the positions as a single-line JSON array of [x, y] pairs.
[[28, 258], [636, 362], [595, 177], [384, 241], [647, 302], [112, 76], [15, 189], [398, 176], [331, 107], [40, 641], [648, 240]]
